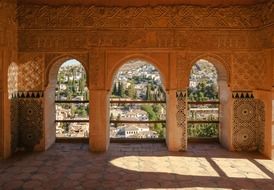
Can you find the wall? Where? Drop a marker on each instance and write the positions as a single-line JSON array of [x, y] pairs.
[[171, 37], [8, 50]]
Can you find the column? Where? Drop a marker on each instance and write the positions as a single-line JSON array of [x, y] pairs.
[[176, 135], [99, 120]]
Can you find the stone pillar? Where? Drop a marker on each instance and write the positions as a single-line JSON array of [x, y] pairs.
[[176, 135], [8, 54], [49, 115], [225, 118], [272, 123], [99, 120]]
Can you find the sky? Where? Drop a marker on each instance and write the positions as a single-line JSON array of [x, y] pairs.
[[71, 62]]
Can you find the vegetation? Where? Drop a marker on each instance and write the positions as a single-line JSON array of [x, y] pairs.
[[203, 130], [206, 89]]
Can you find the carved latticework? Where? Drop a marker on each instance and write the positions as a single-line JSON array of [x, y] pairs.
[[30, 72], [249, 71], [181, 115]]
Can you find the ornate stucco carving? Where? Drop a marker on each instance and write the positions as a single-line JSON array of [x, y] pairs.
[[249, 71], [248, 122], [67, 41], [30, 72], [33, 16]]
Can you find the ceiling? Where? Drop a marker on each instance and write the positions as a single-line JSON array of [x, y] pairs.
[[128, 3]]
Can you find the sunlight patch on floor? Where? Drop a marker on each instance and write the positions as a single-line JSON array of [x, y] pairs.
[[240, 168], [191, 166], [268, 164]]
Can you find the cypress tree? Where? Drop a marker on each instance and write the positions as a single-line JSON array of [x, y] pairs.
[[148, 93], [114, 90]]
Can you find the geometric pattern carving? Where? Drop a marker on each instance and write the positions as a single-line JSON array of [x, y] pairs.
[[242, 94], [249, 71], [28, 94], [26, 120], [31, 16], [248, 124], [181, 115], [14, 124], [30, 122], [12, 79], [31, 72]]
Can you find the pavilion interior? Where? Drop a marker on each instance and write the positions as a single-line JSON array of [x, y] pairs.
[[38, 36]]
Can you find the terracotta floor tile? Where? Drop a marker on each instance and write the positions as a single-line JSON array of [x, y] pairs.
[[137, 167]]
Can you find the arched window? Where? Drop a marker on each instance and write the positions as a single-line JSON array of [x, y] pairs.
[[71, 101], [138, 102], [203, 101]]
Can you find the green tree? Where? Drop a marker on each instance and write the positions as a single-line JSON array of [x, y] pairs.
[[131, 91], [121, 90], [148, 92], [114, 90], [118, 119], [151, 114], [158, 127]]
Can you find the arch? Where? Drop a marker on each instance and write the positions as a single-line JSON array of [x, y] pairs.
[[225, 95], [117, 65], [52, 67], [223, 69], [115, 73], [51, 74]]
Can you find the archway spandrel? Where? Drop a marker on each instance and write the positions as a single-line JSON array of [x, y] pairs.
[[31, 70], [249, 71]]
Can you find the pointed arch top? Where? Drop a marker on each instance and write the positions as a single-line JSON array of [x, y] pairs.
[[150, 60], [53, 66], [222, 67]]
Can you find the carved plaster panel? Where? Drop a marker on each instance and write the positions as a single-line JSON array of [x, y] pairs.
[[84, 40], [181, 115], [30, 72], [249, 71], [30, 122], [248, 122], [12, 79], [35, 16]]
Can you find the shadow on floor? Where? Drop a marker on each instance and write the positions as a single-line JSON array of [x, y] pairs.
[[137, 166]]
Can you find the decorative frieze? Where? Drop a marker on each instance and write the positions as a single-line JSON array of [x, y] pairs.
[[84, 40], [45, 17], [242, 95], [28, 94]]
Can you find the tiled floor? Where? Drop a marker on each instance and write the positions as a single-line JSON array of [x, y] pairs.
[[137, 166]]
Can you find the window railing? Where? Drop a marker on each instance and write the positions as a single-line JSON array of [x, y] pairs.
[[124, 122], [203, 119], [71, 125]]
